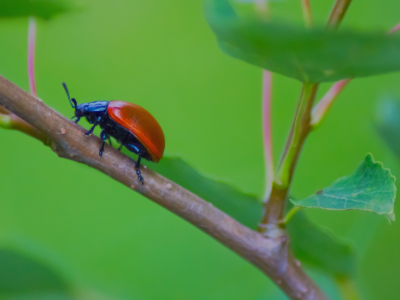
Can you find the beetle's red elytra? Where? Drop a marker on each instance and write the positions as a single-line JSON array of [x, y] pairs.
[[141, 124]]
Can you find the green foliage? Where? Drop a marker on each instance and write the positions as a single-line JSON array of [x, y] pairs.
[[44, 9], [370, 188], [23, 276], [109, 236], [309, 55], [318, 248], [388, 122], [311, 244]]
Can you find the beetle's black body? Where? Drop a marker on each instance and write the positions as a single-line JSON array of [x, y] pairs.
[[96, 114]]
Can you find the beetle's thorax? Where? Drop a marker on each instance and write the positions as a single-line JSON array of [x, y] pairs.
[[91, 109]]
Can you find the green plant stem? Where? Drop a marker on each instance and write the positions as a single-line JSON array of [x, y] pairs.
[[301, 128], [337, 13], [347, 288], [291, 214], [275, 206]]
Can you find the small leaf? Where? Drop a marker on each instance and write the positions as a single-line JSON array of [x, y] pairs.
[[319, 248], [20, 274], [370, 188], [44, 9], [311, 244], [309, 55]]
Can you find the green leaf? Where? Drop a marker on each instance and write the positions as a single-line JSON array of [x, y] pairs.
[[370, 188], [309, 55], [319, 248], [388, 122], [44, 9], [311, 244], [23, 275]]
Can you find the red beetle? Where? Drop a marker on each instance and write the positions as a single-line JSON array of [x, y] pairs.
[[133, 126]]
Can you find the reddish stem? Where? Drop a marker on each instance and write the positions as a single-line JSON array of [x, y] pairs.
[[31, 55], [323, 106], [266, 112], [305, 4], [395, 28]]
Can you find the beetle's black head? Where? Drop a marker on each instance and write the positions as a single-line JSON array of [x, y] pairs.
[[81, 110]]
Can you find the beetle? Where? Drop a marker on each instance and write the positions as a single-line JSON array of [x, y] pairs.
[[133, 126]]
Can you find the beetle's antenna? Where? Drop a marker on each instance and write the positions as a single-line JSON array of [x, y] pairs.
[[69, 98]]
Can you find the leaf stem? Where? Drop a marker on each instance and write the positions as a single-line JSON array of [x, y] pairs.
[[337, 13], [291, 214], [261, 8], [395, 28], [307, 15], [347, 288], [322, 108], [266, 117], [31, 55]]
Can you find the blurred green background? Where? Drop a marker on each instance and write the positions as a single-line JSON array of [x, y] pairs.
[[111, 243]]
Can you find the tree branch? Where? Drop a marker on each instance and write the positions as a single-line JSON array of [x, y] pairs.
[[270, 255], [10, 121]]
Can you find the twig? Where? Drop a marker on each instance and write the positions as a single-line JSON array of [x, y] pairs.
[[275, 206], [67, 139], [337, 13], [266, 116]]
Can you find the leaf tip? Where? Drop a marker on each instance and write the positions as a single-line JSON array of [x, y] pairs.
[[391, 216]]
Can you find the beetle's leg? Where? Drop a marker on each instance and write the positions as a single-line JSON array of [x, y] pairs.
[[91, 129], [120, 147], [77, 120], [96, 122], [103, 136], [137, 165]]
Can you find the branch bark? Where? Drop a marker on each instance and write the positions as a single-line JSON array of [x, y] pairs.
[[271, 255]]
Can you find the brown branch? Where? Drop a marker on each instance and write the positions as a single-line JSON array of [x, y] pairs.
[[10, 121], [270, 255]]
